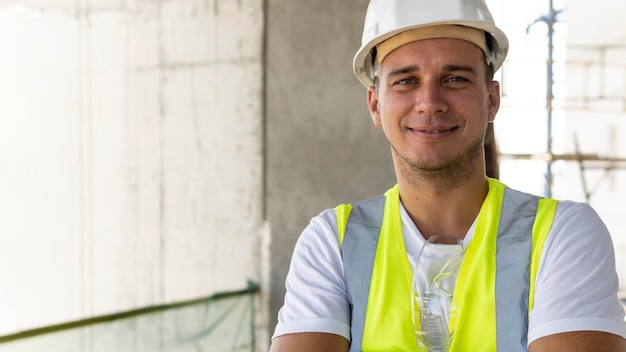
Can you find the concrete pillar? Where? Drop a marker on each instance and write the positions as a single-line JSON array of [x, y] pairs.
[[322, 148]]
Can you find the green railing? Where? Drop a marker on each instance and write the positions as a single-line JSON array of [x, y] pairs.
[[223, 322]]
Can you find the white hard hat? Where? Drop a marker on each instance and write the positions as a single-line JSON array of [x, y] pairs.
[[386, 18]]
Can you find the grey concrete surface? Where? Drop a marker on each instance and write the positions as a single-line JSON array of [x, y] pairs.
[[322, 148]]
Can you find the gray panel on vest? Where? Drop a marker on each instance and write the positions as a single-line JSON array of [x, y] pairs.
[[514, 246], [359, 249]]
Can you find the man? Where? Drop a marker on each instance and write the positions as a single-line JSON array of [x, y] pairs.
[[537, 274]]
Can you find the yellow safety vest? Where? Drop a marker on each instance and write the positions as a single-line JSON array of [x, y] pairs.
[[495, 284]]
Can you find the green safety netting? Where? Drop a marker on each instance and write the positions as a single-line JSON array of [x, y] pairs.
[[224, 322]]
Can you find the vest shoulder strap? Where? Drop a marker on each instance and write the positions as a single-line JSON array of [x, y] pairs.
[[513, 261], [358, 248]]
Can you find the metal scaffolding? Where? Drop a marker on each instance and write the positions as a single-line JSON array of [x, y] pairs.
[[586, 161]]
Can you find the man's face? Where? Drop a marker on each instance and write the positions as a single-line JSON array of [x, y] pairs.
[[433, 103]]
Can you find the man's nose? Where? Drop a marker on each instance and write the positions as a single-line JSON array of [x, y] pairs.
[[430, 98]]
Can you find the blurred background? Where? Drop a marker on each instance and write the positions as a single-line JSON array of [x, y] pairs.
[[159, 158]]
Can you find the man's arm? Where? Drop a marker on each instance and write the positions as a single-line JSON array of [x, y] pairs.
[[310, 342], [579, 341]]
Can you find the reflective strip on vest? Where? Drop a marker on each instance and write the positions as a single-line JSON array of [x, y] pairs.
[[361, 235], [510, 216], [514, 246]]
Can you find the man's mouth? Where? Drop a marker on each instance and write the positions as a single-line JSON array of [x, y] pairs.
[[437, 131]]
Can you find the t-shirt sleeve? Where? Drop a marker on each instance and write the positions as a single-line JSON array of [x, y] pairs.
[[316, 298], [576, 286]]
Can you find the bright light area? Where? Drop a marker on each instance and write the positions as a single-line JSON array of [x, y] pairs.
[[588, 105]]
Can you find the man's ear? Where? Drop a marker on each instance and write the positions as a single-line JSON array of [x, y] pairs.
[[372, 104], [494, 100]]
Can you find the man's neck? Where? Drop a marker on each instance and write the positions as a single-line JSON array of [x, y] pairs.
[[444, 211]]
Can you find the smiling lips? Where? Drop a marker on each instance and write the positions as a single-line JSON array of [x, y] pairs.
[[433, 132]]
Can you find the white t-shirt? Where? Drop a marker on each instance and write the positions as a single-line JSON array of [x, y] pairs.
[[576, 286]]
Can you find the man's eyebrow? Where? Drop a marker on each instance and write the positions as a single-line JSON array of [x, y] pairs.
[[412, 68], [462, 68], [403, 71]]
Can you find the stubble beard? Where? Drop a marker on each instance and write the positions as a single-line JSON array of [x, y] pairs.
[[441, 175]]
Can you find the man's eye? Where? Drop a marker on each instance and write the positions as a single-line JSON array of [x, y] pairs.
[[457, 79], [405, 81]]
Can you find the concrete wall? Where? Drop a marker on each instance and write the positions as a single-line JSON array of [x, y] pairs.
[[130, 154], [322, 148], [140, 165]]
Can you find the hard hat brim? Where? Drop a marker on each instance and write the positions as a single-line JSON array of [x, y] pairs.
[[363, 64]]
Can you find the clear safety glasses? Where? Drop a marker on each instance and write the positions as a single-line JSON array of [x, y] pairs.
[[432, 300]]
